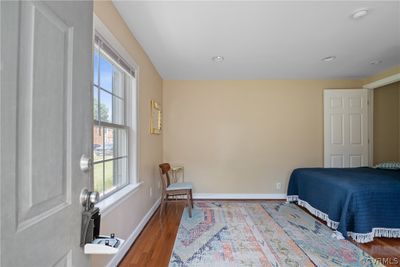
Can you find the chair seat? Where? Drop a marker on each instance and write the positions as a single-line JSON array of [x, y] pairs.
[[179, 186]]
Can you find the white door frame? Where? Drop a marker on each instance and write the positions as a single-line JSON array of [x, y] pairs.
[[371, 86]]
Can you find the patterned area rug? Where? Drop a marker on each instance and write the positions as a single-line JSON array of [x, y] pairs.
[[259, 234]]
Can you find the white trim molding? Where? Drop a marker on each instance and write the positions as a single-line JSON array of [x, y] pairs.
[[382, 82], [370, 128], [238, 196], [132, 237]]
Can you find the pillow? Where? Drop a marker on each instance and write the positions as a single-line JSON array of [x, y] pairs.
[[388, 165]]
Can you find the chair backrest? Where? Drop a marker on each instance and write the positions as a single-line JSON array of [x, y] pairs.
[[164, 174]]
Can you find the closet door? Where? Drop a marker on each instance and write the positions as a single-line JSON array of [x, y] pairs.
[[346, 128]]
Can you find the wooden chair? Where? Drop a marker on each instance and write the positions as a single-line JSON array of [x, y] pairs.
[[174, 189]]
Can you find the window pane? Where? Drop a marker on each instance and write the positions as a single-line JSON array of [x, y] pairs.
[[120, 143], [111, 77], [108, 176], [98, 143], [115, 174], [108, 148], [111, 108], [98, 178], [115, 143], [105, 106], [106, 74], [118, 82], [121, 172], [95, 103], [118, 111], [96, 66]]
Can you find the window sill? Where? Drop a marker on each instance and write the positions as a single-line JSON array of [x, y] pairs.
[[108, 204]]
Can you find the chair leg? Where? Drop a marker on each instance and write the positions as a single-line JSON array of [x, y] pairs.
[[191, 198], [189, 204], [163, 202], [166, 203]]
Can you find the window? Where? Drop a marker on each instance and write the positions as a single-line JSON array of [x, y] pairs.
[[114, 88]]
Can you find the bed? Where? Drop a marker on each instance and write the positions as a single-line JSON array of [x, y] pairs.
[[361, 203]]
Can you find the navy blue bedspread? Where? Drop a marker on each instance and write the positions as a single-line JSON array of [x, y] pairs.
[[358, 198]]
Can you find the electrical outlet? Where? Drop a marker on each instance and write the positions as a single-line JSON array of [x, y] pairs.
[[151, 191], [278, 186]]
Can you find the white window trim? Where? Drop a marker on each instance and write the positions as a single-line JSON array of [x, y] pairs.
[[133, 150]]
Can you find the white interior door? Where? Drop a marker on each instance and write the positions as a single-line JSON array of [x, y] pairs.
[[346, 128], [46, 50]]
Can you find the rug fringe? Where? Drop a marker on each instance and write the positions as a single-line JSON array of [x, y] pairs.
[[358, 237]]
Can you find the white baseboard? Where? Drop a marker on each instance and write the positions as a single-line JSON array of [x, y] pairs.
[[238, 196], [132, 237]]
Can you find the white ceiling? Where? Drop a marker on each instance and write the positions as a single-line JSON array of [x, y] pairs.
[[265, 39]]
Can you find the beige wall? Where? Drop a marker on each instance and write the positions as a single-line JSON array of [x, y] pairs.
[[244, 136], [123, 219], [386, 123]]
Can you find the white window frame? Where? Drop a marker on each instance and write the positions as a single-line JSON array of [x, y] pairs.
[[132, 120]]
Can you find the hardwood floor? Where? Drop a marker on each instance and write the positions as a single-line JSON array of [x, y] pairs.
[[154, 245], [384, 250]]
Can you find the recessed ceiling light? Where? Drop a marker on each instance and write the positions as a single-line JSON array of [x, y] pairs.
[[218, 58], [359, 13], [327, 59], [375, 62]]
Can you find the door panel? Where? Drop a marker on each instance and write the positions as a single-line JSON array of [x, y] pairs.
[[337, 161], [355, 125], [356, 160], [337, 129], [355, 102], [346, 128], [45, 128], [43, 108]]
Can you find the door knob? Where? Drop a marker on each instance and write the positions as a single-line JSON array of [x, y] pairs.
[[88, 198], [86, 163]]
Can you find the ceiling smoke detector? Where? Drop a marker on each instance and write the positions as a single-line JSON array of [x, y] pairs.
[[217, 58], [328, 59]]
